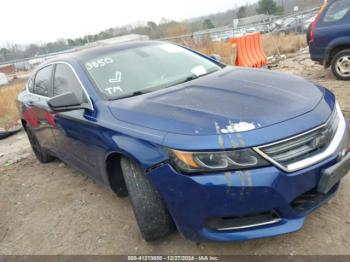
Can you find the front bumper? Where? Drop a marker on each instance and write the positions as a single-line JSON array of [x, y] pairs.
[[194, 201]]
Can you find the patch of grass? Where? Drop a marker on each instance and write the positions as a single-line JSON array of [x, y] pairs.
[[9, 114], [285, 43]]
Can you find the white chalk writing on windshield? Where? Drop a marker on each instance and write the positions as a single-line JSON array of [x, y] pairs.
[[98, 63], [114, 89], [117, 79]]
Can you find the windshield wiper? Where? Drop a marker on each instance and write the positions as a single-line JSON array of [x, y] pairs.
[[148, 90], [178, 82], [136, 93], [189, 78]]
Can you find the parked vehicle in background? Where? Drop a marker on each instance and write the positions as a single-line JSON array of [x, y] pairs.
[[329, 38], [291, 25], [239, 32], [294, 24], [251, 30]]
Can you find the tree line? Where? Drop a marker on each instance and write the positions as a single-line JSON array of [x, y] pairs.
[[165, 28]]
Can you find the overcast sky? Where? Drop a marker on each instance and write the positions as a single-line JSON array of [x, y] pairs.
[[24, 21]]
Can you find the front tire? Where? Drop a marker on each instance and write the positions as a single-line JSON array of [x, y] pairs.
[[341, 65], [151, 214], [40, 153]]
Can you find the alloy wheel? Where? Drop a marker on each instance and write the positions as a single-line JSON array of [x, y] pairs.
[[343, 66]]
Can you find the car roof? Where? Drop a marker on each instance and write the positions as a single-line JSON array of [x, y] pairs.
[[92, 52]]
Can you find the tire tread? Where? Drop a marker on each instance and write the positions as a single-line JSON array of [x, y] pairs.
[[151, 213]]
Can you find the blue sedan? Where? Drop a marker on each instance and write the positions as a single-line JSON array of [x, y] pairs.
[[221, 153]]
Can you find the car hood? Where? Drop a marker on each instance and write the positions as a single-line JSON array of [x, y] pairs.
[[230, 100]]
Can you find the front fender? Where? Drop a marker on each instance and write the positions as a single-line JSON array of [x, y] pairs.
[[146, 154], [142, 152]]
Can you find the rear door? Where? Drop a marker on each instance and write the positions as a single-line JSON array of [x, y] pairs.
[[38, 114], [334, 23]]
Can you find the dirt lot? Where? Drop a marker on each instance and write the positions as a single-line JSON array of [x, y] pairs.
[[53, 209], [301, 65]]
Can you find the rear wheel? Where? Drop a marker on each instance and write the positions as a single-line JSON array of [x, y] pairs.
[[40, 153], [341, 65], [151, 214]]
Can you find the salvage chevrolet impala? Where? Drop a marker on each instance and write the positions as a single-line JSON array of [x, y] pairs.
[[221, 153]]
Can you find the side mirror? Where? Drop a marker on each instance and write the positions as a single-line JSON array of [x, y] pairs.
[[215, 57], [66, 102]]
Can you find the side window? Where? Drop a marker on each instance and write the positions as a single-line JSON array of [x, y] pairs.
[[43, 81], [66, 81], [337, 11]]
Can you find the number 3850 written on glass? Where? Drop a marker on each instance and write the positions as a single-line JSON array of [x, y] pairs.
[[99, 63]]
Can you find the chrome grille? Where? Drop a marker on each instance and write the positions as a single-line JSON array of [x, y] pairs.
[[307, 145]]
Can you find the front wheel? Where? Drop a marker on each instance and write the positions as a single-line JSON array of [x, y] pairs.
[[151, 214], [341, 65], [40, 153]]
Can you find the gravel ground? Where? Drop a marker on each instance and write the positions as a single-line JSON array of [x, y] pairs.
[[53, 209]]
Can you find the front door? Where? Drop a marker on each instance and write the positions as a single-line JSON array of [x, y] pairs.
[[75, 130]]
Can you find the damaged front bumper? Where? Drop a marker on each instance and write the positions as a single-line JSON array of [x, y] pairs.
[[246, 205]]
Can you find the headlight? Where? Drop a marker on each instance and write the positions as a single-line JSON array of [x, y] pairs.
[[193, 162]]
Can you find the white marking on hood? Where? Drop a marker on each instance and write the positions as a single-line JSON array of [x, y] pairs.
[[238, 127]]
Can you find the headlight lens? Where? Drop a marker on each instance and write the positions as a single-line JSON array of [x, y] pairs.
[[193, 162]]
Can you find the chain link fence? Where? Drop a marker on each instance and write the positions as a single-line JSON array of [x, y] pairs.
[[297, 22], [280, 34]]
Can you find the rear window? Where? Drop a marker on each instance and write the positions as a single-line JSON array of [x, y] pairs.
[[42, 81], [337, 11]]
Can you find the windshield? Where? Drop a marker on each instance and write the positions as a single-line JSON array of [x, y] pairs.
[[144, 69]]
